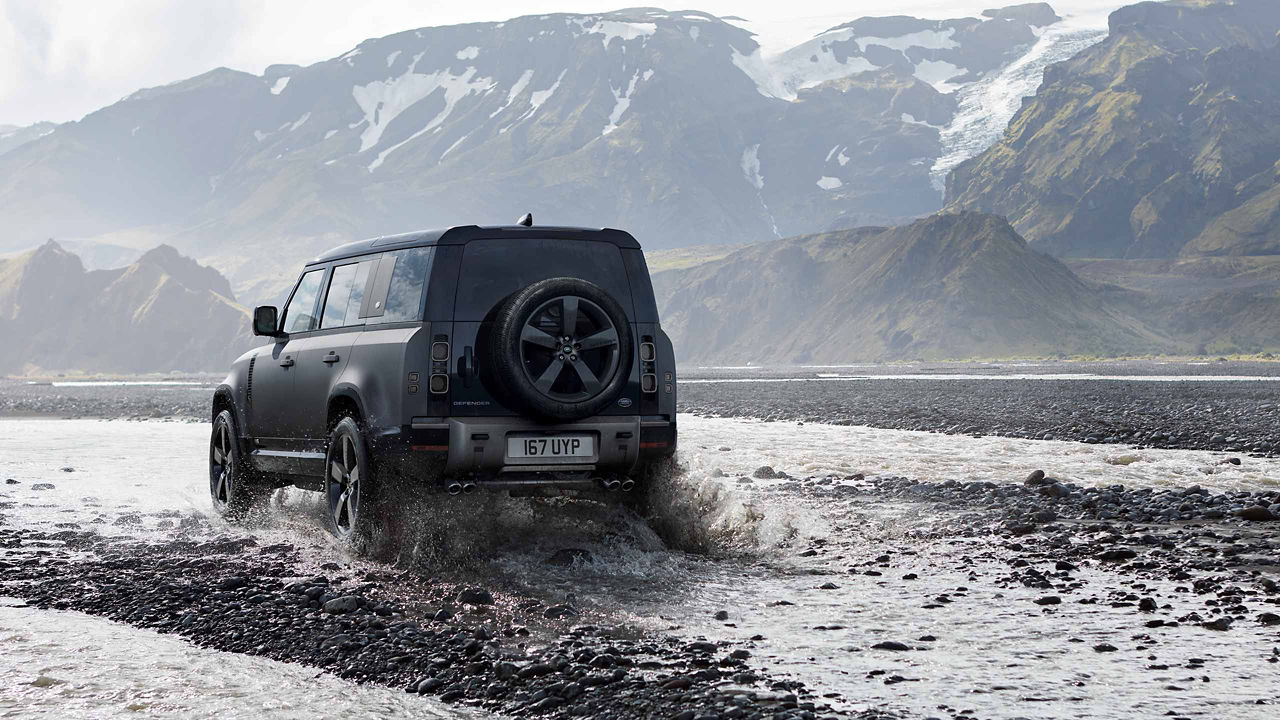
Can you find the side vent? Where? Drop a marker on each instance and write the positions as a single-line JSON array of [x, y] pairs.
[[248, 383]]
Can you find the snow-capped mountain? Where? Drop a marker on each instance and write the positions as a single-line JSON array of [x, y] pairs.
[[671, 124]]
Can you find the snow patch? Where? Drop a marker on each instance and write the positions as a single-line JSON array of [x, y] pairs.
[[615, 29], [751, 166], [540, 96], [350, 58], [928, 39], [910, 119], [622, 100], [831, 152], [280, 85], [829, 183], [468, 53], [392, 58], [842, 158], [516, 89], [298, 123], [259, 135], [455, 144], [330, 134], [693, 33], [383, 100], [132, 132], [937, 73], [754, 66]]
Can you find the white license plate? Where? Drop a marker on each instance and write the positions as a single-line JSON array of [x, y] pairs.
[[551, 446]]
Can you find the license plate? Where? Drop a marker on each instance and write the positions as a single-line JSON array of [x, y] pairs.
[[551, 446]]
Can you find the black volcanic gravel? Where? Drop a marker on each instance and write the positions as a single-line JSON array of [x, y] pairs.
[[1238, 416], [231, 595]]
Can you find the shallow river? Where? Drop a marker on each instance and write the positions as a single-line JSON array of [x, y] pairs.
[[737, 547]]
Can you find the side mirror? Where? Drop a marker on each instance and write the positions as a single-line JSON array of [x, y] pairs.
[[266, 321]]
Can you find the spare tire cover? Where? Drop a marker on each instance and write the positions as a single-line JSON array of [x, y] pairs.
[[560, 349]]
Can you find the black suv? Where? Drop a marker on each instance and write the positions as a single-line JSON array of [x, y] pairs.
[[524, 359]]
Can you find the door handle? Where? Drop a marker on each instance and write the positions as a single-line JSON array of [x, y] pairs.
[[331, 358], [287, 361]]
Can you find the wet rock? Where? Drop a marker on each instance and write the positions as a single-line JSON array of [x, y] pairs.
[[722, 615], [68, 469], [475, 596], [1118, 555], [344, 604], [829, 586], [535, 670], [568, 556], [765, 472], [1269, 619], [682, 682], [1048, 600], [559, 611], [1104, 648], [1256, 513], [443, 615], [235, 582], [429, 685], [891, 645], [1147, 605], [42, 486], [1035, 478], [11, 481], [1222, 623]]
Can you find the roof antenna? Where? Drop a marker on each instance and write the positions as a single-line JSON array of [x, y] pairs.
[[526, 220]]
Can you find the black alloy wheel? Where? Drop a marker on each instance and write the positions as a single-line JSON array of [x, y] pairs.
[[348, 484], [233, 486], [566, 346], [560, 349]]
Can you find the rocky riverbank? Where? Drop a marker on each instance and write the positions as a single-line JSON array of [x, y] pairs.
[[1237, 416]]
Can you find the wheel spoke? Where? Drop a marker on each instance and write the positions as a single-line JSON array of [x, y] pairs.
[[219, 488], [340, 510], [531, 334], [604, 338], [347, 452], [335, 471], [548, 376], [218, 457], [569, 315], [590, 382]]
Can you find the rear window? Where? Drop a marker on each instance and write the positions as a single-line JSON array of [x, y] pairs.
[[400, 286], [494, 269]]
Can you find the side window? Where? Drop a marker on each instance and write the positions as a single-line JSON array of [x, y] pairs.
[[298, 315], [346, 294], [404, 275]]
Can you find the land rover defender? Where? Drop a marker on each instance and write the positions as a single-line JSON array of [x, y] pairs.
[[521, 359]]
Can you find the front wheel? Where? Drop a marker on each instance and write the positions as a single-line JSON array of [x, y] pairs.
[[233, 485], [349, 487]]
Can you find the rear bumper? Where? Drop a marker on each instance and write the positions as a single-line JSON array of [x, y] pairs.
[[476, 447]]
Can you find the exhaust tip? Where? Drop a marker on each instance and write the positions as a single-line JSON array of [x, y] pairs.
[[468, 488], [610, 485], [627, 485], [455, 488]]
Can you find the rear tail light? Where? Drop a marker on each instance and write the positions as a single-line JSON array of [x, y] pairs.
[[438, 383], [648, 369]]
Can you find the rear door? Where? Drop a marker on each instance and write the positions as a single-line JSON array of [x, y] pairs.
[[272, 409], [323, 355]]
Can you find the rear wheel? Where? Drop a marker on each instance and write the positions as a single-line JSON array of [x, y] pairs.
[[350, 489], [234, 486]]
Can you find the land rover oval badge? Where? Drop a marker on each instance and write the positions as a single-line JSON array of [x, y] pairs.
[[624, 402]]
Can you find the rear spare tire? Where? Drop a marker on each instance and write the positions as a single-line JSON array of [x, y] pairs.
[[560, 349]]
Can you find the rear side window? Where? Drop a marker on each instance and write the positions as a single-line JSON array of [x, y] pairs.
[[346, 295], [401, 285], [494, 269], [299, 313]]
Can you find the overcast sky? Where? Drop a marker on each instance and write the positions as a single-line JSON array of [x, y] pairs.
[[61, 59]]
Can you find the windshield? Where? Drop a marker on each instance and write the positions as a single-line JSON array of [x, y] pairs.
[[494, 269]]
